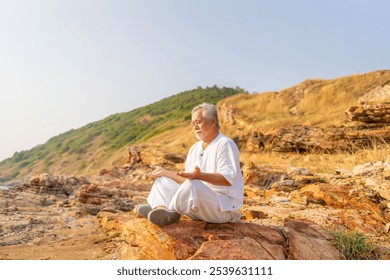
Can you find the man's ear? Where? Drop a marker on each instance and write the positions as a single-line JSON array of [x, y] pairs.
[[215, 121]]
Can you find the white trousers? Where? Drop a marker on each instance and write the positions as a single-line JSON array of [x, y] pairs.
[[192, 198]]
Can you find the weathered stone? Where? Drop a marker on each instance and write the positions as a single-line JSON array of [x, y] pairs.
[[370, 112], [326, 194], [111, 196], [253, 214], [382, 187], [190, 239], [307, 241], [297, 198]]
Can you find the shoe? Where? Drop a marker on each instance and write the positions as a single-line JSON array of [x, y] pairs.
[[163, 217], [143, 210]]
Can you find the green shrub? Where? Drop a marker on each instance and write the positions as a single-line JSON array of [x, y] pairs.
[[354, 245]]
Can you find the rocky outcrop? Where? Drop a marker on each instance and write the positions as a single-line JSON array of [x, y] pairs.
[[43, 190], [56, 184], [307, 139], [356, 199], [367, 126], [151, 157], [117, 189], [197, 240], [370, 112], [93, 198], [380, 93]]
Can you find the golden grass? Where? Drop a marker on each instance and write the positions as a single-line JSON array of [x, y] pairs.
[[319, 163], [312, 102]]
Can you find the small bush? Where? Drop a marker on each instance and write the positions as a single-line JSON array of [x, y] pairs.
[[354, 245]]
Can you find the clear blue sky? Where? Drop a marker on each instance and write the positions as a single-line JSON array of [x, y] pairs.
[[65, 63]]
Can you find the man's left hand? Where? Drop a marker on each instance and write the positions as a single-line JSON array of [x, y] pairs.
[[191, 175]]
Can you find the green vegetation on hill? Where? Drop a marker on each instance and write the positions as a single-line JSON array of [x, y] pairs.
[[73, 148]]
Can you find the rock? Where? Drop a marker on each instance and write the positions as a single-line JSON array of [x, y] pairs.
[[297, 198], [253, 214], [358, 212], [59, 185], [151, 157], [263, 175], [279, 199], [198, 240], [113, 196], [307, 241], [133, 156], [326, 194], [380, 93], [367, 169], [343, 172], [382, 187], [387, 228], [299, 171], [370, 112]]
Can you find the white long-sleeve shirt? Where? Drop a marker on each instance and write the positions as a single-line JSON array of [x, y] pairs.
[[221, 156]]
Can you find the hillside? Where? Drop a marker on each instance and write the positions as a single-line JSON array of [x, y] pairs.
[[314, 103], [89, 148]]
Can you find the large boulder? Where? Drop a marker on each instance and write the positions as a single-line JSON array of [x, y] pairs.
[[198, 240]]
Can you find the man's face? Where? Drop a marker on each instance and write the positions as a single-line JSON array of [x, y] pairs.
[[203, 128]]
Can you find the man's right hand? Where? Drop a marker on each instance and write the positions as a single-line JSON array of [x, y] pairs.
[[158, 172]]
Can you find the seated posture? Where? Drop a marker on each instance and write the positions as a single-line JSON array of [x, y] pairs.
[[210, 189]]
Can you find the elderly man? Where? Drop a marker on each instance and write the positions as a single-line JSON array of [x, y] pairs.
[[210, 189]]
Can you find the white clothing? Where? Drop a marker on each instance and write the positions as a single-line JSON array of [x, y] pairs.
[[221, 156], [201, 200]]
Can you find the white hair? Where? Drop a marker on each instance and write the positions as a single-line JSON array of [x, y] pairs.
[[209, 111]]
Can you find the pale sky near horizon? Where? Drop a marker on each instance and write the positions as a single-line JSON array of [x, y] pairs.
[[66, 63]]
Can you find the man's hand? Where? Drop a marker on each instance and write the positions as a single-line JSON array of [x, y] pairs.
[[212, 178], [158, 172], [192, 175]]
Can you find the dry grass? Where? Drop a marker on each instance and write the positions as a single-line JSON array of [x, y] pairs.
[[313, 102], [319, 163]]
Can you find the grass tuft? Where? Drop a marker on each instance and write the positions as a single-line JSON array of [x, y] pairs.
[[354, 245]]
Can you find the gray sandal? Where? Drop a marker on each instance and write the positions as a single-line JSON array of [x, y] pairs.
[[143, 210], [163, 217]]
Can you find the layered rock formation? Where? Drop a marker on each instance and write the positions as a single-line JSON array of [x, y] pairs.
[[367, 126]]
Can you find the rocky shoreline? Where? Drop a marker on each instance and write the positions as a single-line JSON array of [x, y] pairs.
[[288, 214]]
